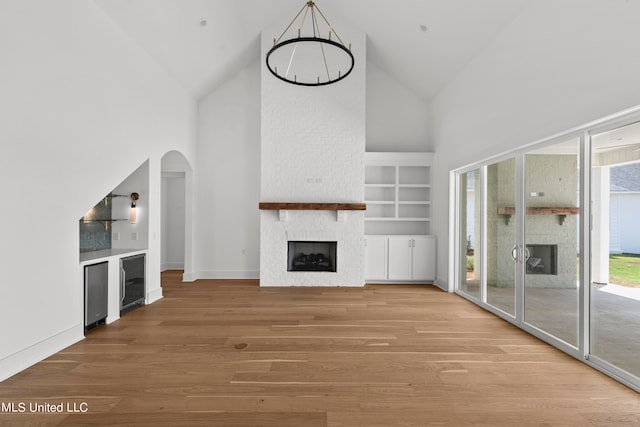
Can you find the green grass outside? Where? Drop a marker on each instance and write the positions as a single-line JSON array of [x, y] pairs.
[[625, 270]]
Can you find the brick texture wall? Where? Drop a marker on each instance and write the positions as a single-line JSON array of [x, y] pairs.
[[312, 150]]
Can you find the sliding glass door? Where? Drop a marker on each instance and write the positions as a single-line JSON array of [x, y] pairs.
[[500, 209], [470, 219], [487, 235], [551, 249], [519, 246], [615, 266], [549, 239]]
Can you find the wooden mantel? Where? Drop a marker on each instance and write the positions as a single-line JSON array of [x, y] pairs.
[[293, 206], [562, 212], [339, 208]]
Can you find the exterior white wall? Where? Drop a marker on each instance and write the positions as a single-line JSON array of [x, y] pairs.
[[614, 224], [600, 212], [228, 189], [548, 71], [626, 225], [313, 145], [82, 108]]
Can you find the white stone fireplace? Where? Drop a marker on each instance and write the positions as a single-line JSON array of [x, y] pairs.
[[278, 229], [312, 152]]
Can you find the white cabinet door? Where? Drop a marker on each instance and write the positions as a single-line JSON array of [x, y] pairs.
[[424, 258], [376, 252], [400, 251]]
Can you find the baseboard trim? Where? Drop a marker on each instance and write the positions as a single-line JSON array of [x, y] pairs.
[[154, 295], [189, 277], [443, 284], [229, 274], [172, 266], [310, 286], [400, 282], [21, 360]]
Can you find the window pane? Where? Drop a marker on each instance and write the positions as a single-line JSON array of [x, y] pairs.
[[551, 239], [501, 235], [469, 214], [615, 252]]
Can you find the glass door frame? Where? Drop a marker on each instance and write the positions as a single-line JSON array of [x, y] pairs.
[[584, 133], [518, 318], [610, 123]]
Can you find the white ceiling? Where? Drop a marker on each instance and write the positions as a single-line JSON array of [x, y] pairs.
[[203, 57]]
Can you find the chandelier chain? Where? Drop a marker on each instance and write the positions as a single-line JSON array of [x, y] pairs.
[[304, 9], [329, 25]]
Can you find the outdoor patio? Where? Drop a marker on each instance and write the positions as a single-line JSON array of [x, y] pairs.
[[615, 311]]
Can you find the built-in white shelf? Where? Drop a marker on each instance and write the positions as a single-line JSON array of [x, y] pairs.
[[398, 193]]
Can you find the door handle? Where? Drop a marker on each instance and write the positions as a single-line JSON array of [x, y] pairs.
[[516, 253], [122, 287]]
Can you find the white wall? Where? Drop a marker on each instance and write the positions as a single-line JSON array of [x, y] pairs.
[[558, 65], [228, 188], [132, 236], [313, 138], [229, 146], [173, 221], [312, 150], [82, 107], [397, 119]]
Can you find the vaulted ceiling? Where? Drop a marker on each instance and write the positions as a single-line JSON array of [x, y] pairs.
[[421, 43]]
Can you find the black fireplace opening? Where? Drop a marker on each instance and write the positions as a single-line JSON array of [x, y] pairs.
[[312, 256], [543, 259]]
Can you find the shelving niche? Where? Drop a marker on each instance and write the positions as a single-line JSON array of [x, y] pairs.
[[398, 193]]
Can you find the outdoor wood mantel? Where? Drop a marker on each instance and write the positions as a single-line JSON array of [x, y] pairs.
[[284, 207], [562, 212]]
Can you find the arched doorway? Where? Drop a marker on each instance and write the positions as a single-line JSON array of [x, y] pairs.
[[176, 214]]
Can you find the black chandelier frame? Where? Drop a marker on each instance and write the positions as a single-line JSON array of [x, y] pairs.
[[278, 44]]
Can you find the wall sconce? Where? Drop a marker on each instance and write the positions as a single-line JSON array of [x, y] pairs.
[[132, 212]]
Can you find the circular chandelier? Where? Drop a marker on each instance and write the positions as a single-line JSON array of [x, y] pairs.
[[308, 59]]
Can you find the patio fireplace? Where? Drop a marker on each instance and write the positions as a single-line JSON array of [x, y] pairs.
[[542, 259]]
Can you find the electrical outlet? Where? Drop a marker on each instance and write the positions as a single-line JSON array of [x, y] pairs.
[[134, 235]]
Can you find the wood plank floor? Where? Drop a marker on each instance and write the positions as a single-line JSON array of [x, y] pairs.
[[228, 353]]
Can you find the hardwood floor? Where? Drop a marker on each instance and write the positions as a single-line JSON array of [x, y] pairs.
[[229, 353]]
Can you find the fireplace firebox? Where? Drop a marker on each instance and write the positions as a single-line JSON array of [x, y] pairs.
[[543, 259], [312, 256]]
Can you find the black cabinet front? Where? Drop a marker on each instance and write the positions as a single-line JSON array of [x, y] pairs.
[[96, 282], [132, 282]]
